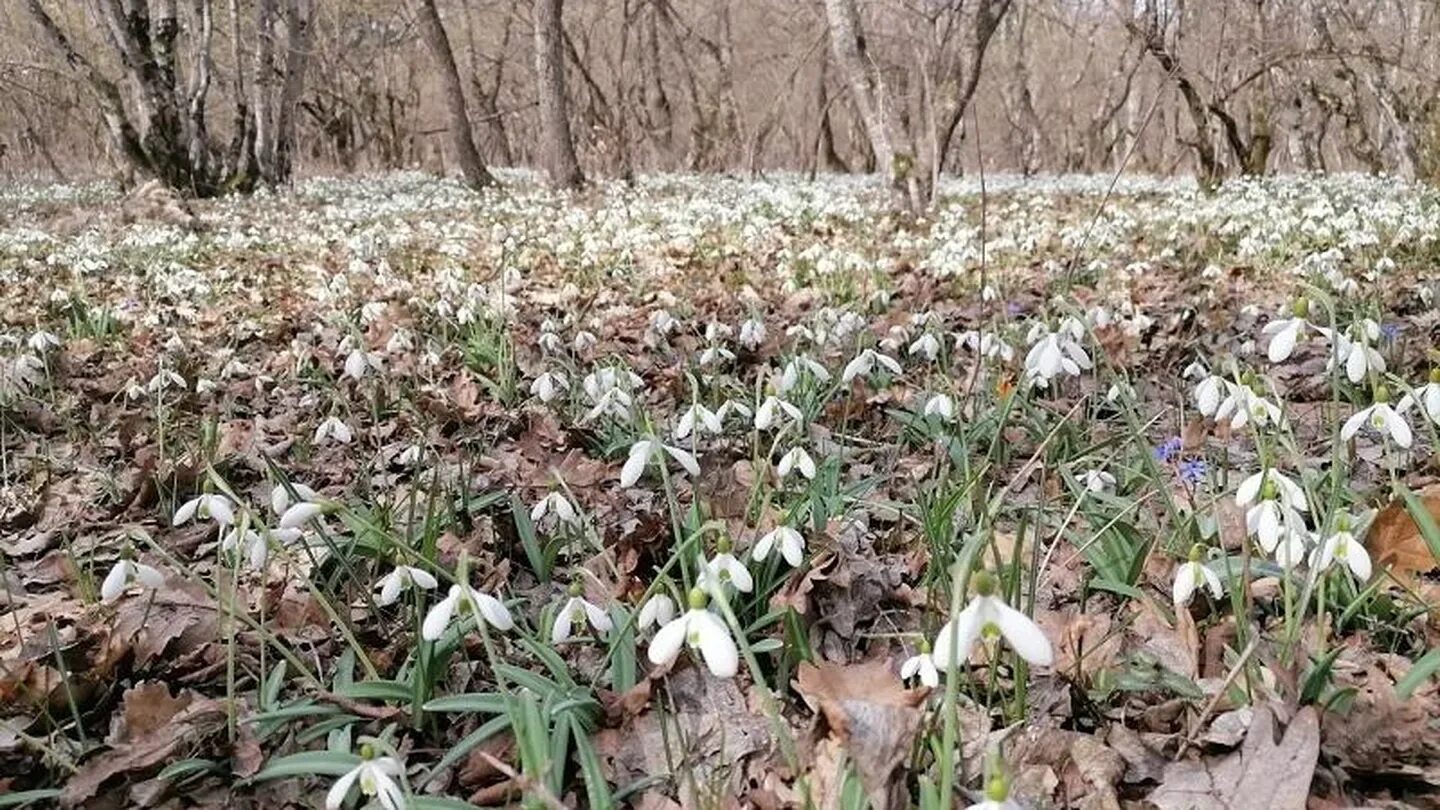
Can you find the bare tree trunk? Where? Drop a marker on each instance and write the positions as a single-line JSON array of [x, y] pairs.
[[867, 88], [267, 13], [461, 139], [557, 150], [659, 119], [298, 15]]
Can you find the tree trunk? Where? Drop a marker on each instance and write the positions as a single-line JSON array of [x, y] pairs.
[[298, 16], [557, 150], [867, 88], [461, 138]]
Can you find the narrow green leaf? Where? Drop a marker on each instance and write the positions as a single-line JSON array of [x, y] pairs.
[[481, 702], [25, 797], [308, 763], [1423, 519], [597, 790], [1418, 674], [528, 541], [395, 691]]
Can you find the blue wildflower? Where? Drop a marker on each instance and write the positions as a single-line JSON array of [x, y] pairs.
[[1167, 452], [1193, 471], [1390, 331]]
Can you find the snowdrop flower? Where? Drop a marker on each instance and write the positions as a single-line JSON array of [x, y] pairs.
[[486, 608], [772, 409], [796, 458], [558, 505], [1274, 502], [301, 514], [410, 456], [1357, 357], [399, 342], [987, 617], [614, 402], [1342, 546], [1292, 546], [1428, 395], [716, 331], [42, 341], [801, 364], [642, 451], [1242, 405], [1382, 418], [1052, 354], [731, 406], [549, 385], [1211, 389], [792, 545], [698, 415], [358, 362], [1098, 480], [583, 341], [125, 572], [865, 362], [577, 610], [550, 343], [699, 629], [658, 610], [404, 576], [333, 428], [921, 665], [926, 346], [280, 495], [940, 405], [752, 333], [206, 507], [1192, 575], [715, 353], [662, 322], [724, 568], [1286, 332], [377, 777], [987, 344]]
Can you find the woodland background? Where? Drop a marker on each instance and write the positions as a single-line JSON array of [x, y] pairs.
[[218, 95]]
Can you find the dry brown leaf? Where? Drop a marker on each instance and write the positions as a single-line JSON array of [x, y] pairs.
[[871, 713], [1395, 541], [146, 707], [145, 752], [1263, 773]]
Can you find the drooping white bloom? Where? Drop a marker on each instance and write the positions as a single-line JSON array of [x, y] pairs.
[[1211, 389], [926, 346], [796, 458], [1274, 503], [377, 777], [280, 496], [798, 366], [42, 341], [410, 456], [1192, 575], [659, 609], [940, 405], [126, 572], [698, 415], [208, 506], [791, 542], [402, 577], [301, 514], [1381, 418], [716, 331], [752, 333], [576, 611], [1098, 480], [1342, 546], [699, 629], [359, 362], [485, 607], [550, 343], [730, 406], [987, 344], [549, 385], [1356, 356], [1428, 395], [769, 412], [583, 341], [1292, 547], [865, 362], [715, 353], [1054, 353], [988, 616], [642, 451], [333, 428], [722, 569], [921, 665], [1242, 405], [1284, 334], [558, 505]]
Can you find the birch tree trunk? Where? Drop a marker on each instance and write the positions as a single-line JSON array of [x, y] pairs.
[[462, 140], [557, 149]]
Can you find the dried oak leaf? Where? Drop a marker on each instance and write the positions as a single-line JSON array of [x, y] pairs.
[[185, 729], [871, 713], [1263, 773], [1395, 541]]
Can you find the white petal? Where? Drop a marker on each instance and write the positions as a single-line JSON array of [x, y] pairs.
[[635, 464], [668, 641], [1283, 343], [336, 795], [792, 547], [300, 514], [718, 649], [599, 619], [685, 458], [1184, 587], [186, 511], [966, 628], [422, 578], [114, 583], [148, 576], [1359, 561], [560, 630], [390, 586], [438, 617], [494, 611], [1212, 581], [1249, 488], [1354, 423], [762, 548], [1399, 430], [1023, 634], [219, 508], [1355, 364]]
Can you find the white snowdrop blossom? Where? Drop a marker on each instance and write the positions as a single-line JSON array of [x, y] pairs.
[[578, 610], [1427, 395], [1054, 353], [798, 367], [1341, 545], [724, 569], [987, 344], [206, 507], [1357, 356], [864, 363], [1192, 575], [42, 341], [1381, 418], [921, 665], [583, 341], [752, 333], [549, 385], [698, 629], [926, 346], [698, 416], [124, 573], [462, 597], [790, 542], [658, 610], [942, 406], [988, 617], [1242, 405], [333, 428], [770, 411], [359, 362], [796, 458], [642, 451], [280, 496], [1285, 333], [1274, 503], [730, 406], [558, 505], [403, 576], [550, 343], [1210, 391], [301, 514], [1098, 481], [714, 354], [377, 777]]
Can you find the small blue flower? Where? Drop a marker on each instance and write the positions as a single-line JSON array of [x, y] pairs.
[[1193, 471], [1391, 331], [1167, 452]]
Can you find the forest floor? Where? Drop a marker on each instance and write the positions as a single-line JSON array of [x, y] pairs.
[[380, 491]]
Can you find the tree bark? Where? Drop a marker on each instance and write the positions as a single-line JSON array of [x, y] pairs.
[[462, 140], [557, 149]]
